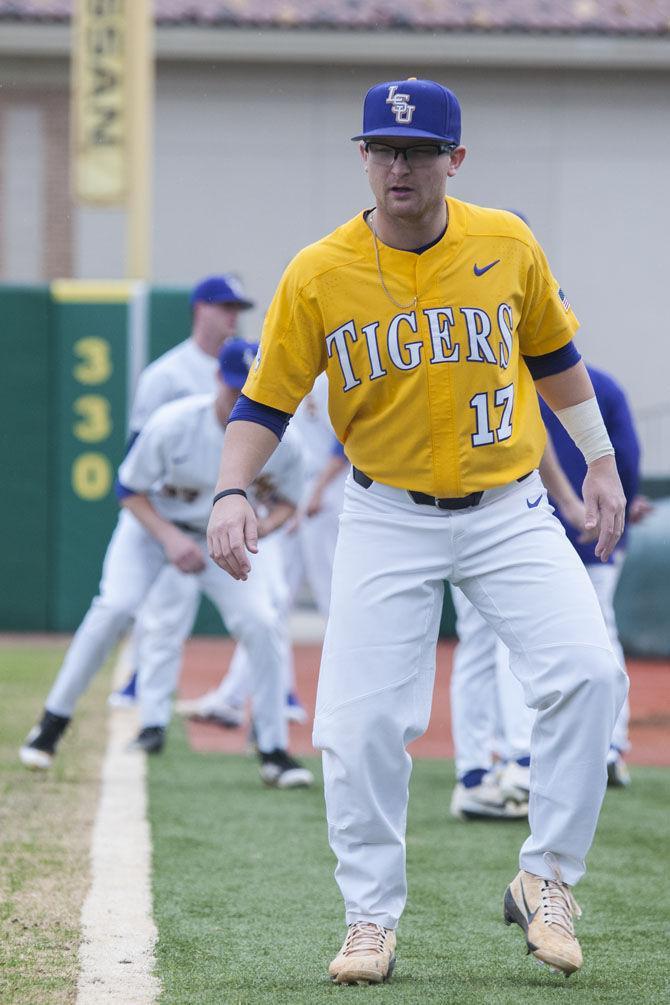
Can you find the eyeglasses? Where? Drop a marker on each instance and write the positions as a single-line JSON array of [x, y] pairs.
[[416, 156]]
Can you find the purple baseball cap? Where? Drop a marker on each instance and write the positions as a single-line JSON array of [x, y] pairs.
[[420, 108], [224, 289], [235, 359]]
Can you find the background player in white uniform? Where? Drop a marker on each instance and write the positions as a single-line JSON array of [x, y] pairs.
[[165, 485], [481, 671], [434, 320], [310, 547], [487, 719], [307, 544], [188, 368]]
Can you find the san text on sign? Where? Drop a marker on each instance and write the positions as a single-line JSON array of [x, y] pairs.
[[100, 102]]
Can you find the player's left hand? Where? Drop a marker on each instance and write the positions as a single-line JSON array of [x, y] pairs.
[[605, 504], [231, 533]]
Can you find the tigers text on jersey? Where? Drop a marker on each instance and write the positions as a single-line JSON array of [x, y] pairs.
[[175, 461], [433, 396]]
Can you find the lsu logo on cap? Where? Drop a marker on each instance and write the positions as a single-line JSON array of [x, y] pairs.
[[400, 106]]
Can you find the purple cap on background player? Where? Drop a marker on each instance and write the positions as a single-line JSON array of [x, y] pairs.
[[420, 108], [224, 289], [235, 359]]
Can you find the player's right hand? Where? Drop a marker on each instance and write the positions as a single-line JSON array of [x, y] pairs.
[[231, 533], [184, 552]]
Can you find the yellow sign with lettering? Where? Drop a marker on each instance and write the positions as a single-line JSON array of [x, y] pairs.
[[100, 111]]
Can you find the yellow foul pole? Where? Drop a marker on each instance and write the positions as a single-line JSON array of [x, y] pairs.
[[140, 55]]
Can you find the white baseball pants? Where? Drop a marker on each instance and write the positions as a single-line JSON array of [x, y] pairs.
[[132, 562], [164, 623], [310, 550], [307, 553], [237, 685], [488, 708], [375, 689]]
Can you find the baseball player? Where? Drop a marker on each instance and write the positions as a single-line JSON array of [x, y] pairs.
[[307, 544], [488, 713], [481, 665], [436, 321], [188, 368], [165, 486]]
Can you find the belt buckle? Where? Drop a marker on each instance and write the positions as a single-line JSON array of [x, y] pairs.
[[439, 502]]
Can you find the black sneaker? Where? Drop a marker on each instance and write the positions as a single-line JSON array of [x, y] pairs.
[[283, 772], [150, 739], [40, 747]]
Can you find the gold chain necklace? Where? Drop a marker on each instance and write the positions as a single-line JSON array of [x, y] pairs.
[[393, 300]]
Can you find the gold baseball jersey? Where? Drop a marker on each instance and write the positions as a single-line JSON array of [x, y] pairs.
[[430, 393]]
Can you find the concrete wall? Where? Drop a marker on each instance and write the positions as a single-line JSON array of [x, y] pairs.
[[254, 160]]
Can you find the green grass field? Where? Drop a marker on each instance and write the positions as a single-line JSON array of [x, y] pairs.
[[245, 902], [45, 828], [248, 911]]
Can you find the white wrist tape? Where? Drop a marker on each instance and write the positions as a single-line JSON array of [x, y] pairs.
[[585, 425]]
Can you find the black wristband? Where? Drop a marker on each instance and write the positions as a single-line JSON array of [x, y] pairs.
[[228, 492]]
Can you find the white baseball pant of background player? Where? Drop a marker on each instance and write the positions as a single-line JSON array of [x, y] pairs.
[[511, 561], [133, 561], [307, 552], [484, 695], [165, 633], [487, 701]]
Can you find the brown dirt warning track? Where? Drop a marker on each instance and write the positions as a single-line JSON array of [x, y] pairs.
[[206, 660]]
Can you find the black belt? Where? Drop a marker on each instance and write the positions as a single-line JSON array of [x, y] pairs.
[[422, 499]]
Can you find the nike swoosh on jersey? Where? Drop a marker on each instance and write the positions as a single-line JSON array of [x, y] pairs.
[[485, 268], [532, 505]]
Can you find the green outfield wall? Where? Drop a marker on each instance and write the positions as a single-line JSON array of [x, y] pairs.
[[71, 356]]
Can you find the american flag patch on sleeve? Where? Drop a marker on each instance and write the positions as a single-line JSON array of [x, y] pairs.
[[564, 300]]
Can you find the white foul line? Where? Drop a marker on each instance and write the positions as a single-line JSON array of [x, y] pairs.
[[116, 956]]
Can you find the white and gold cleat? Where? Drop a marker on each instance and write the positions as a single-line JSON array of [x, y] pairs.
[[544, 909], [367, 955]]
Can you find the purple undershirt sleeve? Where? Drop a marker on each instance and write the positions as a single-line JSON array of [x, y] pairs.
[[122, 491], [252, 411], [553, 362]]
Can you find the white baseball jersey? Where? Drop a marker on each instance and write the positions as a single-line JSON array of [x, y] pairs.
[[175, 461], [181, 371], [313, 423]]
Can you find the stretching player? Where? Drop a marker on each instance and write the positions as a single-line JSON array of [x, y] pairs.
[[486, 698], [188, 368], [486, 714], [436, 321], [308, 547], [165, 487]]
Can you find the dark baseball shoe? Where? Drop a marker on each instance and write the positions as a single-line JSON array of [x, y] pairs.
[[39, 748], [367, 955], [150, 739], [544, 909], [284, 772]]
